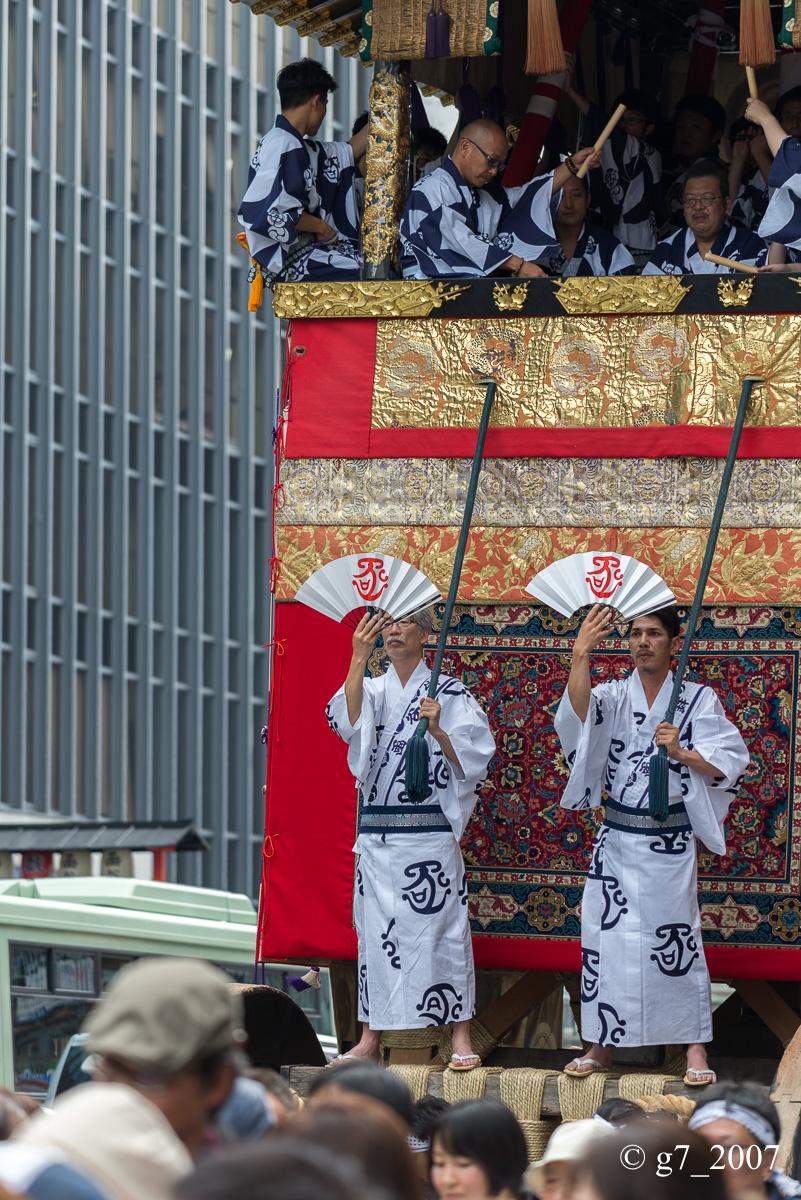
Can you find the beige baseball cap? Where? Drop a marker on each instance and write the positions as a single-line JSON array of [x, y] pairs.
[[161, 1014], [568, 1142]]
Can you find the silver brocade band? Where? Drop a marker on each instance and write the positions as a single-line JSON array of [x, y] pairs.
[[618, 817], [723, 1110], [379, 820]]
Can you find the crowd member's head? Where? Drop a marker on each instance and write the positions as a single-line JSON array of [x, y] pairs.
[[743, 131], [280, 1167], [699, 126], [366, 1130], [641, 115], [739, 1115], [480, 152], [573, 206], [363, 1079], [168, 1027], [706, 199], [357, 127], [283, 1099], [662, 1162], [553, 1176], [246, 1114], [425, 1114], [788, 111], [654, 639], [477, 1150], [619, 1113], [431, 145], [305, 86]]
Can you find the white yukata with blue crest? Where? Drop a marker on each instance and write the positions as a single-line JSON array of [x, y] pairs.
[[597, 253], [644, 979], [415, 965], [782, 220], [290, 175], [679, 254], [451, 229]]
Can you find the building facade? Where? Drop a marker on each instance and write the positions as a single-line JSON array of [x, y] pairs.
[[137, 403]]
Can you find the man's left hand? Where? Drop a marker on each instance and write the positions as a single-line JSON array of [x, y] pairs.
[[429, 708], [667, 735]]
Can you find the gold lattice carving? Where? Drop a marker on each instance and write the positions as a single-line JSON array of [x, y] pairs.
[[510, 296], [319, 22], [376, 298], [341, 31], [621, 294], [735, 295], [273, 7], [387, 156], [294, 12]]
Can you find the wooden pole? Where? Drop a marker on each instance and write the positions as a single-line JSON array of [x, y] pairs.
[[750, 75], [730, 262], [607, 129]]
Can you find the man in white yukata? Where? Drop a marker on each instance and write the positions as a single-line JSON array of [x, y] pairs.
[[300, 208], [644, 980], [459, 222], [584, 248], [415, 964], [706, 207]]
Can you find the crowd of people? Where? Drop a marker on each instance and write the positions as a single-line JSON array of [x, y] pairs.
[[175, 1111], [638, 208]]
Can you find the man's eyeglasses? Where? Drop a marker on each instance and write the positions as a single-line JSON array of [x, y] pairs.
[[405, 623], [497, 163], [705, 201]]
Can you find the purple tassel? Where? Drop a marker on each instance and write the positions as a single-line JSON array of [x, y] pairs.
[[431, 33], [301, 982], [443, 49], [297, 983]]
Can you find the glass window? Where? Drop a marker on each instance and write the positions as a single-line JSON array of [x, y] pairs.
[[74, 971], [41, 1028], [110, 964], [29, 968]]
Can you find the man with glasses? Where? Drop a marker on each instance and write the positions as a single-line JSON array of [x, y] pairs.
[[461, 222], [415, 960], [706, 207]]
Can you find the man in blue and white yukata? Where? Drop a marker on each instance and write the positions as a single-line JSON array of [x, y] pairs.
[[644, 979], [706, 207], [460, 223], [415, 964], [300, 208]]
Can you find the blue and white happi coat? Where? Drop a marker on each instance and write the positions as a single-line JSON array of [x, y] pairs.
[[751, 202], [415, 962], [626, 187], [679, 254], [290, 175], [452, 229], [597, 253], [782, 220], [644, 979]]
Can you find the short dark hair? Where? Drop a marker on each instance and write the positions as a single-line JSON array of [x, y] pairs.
[[367, 1079], [690, 1175], [359, 123], [583, 181], [487, 1132], [787, 97], [747, 1095], [425, 1114], [273, 1168], [669, 619], [704, 106], [619, 1112], [428, 136], [639, 101], [297, 82], [709, 168]]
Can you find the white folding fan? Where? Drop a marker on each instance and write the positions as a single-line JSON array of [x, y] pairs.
[[345, 588], [625, 584]]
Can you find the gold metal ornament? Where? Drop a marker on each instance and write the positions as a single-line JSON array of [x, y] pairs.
[[621, 294], [510, 296], [370, 298], [387, 156], [735, 295]]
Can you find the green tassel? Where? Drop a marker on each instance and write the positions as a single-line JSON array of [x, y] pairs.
[[417, 786], [658, 780]]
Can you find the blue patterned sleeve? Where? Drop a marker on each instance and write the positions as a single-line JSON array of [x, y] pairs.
[[277, 194]]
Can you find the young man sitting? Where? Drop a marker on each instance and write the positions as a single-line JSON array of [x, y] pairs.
[[584, 249]]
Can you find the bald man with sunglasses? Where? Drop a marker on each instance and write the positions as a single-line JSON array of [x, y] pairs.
[[460, 222]]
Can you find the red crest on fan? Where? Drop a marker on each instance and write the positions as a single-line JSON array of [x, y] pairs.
[[372, 580], [606, 577]]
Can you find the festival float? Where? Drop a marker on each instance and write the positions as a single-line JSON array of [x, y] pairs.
[[614, 402]]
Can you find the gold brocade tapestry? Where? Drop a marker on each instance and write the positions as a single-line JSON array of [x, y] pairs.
[[587, 371], [750, 565]]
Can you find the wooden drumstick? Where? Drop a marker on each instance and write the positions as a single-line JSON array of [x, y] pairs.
[[750, 75], [610, 125], [730, 262]]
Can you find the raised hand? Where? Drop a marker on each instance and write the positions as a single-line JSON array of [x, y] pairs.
[[756, 111], [596, 626], [587, 152], [367, 633]]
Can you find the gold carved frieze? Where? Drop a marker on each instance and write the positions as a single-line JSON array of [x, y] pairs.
[[575, 372], [509, 296], [387, 157], [555, 492], [621, 294], [374, 298]]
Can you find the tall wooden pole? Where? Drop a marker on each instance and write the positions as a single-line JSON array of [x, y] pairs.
[[387, 168]]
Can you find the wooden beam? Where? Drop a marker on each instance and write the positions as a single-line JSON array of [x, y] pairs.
[[786, 1095], [342, 976], [766, 1002], [515, 1003]]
